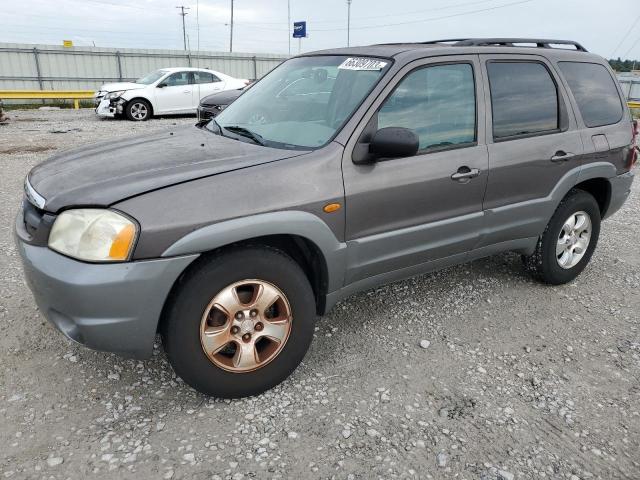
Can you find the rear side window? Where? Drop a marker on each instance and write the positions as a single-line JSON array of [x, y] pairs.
[[524, 99], [437, 102], [205, 77], [594, 91]]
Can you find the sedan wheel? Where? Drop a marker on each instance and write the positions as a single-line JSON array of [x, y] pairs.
[[138, 110]]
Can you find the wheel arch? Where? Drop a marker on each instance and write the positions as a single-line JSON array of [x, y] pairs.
[[301, 235], [600, 189], [148, 100]]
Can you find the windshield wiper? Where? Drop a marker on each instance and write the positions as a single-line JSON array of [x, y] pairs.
[[245, 132]]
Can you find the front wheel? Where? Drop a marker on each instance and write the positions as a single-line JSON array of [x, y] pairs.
[[138, 110], [568, 242], [239, 322]]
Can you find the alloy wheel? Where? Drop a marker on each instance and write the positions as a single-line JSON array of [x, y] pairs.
[[139, 111], [574, 239], [245, 326]]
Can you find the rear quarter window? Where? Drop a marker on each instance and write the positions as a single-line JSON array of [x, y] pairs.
[[595, 92]]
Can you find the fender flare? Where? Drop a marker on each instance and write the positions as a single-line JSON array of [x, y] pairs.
[[288, 222]]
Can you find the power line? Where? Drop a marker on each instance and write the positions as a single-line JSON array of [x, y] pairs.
[[426, 19], [625, 36], [632, 47], [184, 30]]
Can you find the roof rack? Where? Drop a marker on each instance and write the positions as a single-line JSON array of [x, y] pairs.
[[507, 42]]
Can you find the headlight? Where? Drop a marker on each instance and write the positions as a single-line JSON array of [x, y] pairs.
[[114, 94], [93, 235]]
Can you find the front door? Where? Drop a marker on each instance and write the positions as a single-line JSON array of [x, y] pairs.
[[404, 212], [174, 94]]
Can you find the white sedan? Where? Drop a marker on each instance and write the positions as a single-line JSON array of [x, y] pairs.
[[168, 91]]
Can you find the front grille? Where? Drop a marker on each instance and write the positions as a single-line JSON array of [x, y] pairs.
[[37, 223]]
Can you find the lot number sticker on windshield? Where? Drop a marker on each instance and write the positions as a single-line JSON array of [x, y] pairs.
[[359, 63]]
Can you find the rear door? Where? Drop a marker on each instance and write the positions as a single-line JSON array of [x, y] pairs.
[[404, 212], [205, 83], [533, 141], [174, 94]]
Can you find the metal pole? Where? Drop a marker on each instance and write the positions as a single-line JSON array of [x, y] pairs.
[[184, 30], [348, 23], [231, 33], [255, 68], [119, 65], [38, 72], [289, 24]]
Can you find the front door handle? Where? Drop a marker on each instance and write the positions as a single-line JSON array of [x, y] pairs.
[[464, 174], [562, 156]]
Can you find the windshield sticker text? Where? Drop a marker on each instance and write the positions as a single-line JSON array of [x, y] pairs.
[[362, 64]]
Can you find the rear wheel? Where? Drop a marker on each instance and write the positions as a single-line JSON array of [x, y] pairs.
[[568, 242], [138, 110], [240, 323]]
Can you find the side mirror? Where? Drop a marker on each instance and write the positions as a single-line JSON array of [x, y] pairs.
[[161, 85], [394, 142]]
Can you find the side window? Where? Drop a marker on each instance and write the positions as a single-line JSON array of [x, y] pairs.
[[205, 77], [524, 99], [634, 91], [595, 92], [178, 79], [438, 103]]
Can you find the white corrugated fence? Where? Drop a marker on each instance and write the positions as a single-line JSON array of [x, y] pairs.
[[51, 67]]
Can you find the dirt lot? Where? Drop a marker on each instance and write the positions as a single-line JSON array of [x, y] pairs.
[[519, 380]]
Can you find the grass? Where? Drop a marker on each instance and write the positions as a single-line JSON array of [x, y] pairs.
[[47, 103]]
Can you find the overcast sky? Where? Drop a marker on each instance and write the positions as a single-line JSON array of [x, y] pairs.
[[609, 28]]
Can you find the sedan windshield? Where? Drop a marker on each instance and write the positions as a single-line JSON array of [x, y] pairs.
[[151, 77], [302, 103]]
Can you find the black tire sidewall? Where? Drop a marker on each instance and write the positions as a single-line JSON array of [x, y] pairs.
[[578, 201], [181, 328], [131, 104]]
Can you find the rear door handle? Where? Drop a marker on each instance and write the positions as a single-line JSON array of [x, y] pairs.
[[464, 174], [562, 156]]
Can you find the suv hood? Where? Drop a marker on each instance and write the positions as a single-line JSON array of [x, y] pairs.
[[105, 173], [114, 87]]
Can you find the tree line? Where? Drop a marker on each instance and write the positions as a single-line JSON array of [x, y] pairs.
[[620, 65]]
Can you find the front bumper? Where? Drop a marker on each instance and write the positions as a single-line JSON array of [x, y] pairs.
[[111, 307], [206, 112], [620, 191], [110, 107]]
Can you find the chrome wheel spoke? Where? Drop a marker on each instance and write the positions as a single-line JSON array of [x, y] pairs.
[[227, 301], [276, 331], [561, 246], [565, 258], [581, 223], [245, 356], [215, 339], [267, 296]]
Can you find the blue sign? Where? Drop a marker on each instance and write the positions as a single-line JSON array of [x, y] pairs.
[[299, 29]]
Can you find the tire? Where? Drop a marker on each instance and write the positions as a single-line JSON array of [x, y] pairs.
[[203, 287], [138, 110], [545, 263]]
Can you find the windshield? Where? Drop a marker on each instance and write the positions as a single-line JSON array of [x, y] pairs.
[[303, 102], [151, 77]]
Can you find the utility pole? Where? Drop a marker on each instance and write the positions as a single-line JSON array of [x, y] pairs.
[[184, 31], [348, 22], [289, 24], [231, 38]]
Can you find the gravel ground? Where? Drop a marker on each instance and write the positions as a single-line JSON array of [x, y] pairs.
[[475, 372]]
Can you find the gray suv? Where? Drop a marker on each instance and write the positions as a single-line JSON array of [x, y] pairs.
[[229, 238]]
